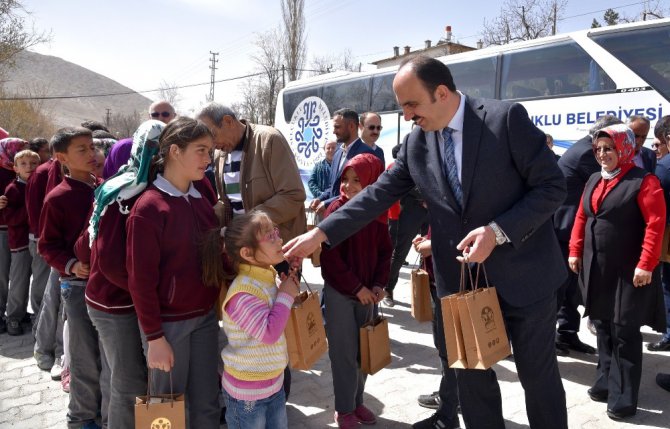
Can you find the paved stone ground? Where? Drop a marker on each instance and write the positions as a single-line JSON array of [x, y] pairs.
[[30, 399]]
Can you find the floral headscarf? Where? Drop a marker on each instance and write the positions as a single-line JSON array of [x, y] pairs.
[[624, 144], [9, 147]]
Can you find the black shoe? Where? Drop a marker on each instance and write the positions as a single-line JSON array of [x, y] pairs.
[[621, 415], [663, 381], [573, 342], [430, 401], [597, 395], [222, 418], [27, 318], [436, 422], [14, 327], [661, 346], [3, 326], [562, 350]]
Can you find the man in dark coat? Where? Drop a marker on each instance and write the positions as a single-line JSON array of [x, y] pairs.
[[491, 185]]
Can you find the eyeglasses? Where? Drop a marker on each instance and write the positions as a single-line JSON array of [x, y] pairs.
[[271, 236], [603, 149], [163, 114], [374, 127]]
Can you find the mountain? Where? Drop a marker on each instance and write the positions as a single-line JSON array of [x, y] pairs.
[[44, 75]]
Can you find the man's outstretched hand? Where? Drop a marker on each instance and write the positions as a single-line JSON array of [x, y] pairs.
[[304, 245]]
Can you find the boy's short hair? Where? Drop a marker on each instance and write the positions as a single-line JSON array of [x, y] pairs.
[[25, 153], [38, 143], [63, 137]]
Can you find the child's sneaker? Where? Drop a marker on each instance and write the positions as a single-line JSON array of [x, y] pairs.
[[65, 380], [346, 421], [364, 415], [14, 327], [57, 369], [44, 361]]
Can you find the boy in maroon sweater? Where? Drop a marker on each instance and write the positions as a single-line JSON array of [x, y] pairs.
[[25, 163], [63, 218], [48, 326]]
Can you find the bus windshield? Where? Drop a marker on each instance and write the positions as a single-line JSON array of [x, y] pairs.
[[645, 51]]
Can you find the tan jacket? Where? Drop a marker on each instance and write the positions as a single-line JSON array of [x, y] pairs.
[[270, 180]]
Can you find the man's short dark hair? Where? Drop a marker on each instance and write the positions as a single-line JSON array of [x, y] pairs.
[[37, 143], [662, 129], [102, 134], [347, 114], [431, 72], [63, 137], [94, 125], [602, 122]]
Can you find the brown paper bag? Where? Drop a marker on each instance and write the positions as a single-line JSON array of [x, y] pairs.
[[375, 345], [484, 332], [316, 257], [160, 411], [665, 247], [453, 332], [305, 334], [422, 309]]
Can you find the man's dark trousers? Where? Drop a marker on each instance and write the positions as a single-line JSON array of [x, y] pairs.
[[569, 299]]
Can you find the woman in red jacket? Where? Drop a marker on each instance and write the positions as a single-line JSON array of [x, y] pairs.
[[615, 248]]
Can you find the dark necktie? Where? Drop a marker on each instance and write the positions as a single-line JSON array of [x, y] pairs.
[[449, 166]]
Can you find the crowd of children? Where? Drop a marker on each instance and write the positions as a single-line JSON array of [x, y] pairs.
[[135, 265]]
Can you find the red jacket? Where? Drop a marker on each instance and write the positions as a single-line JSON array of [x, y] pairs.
[[16, 216], [162, 257]]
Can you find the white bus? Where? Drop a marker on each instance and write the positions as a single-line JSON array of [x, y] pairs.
[[564, 81]]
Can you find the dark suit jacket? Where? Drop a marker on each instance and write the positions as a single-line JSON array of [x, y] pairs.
[[648, 159], [509, 175], [578, 163], [663, 173], [356, 148]]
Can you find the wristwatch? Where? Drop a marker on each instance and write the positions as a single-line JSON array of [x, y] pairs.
[[501, 238]]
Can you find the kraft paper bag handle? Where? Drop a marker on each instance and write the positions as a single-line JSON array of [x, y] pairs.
[[149, 389], [304, 280], [462, 287], [486, 277]]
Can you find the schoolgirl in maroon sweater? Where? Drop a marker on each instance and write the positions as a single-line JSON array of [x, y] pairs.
[[355, 273], [175, 307]]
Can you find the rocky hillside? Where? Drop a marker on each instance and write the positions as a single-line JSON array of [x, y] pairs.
[[39, 74]]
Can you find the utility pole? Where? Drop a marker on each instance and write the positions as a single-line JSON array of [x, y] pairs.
[[108, 116], [213, 68], [553, 27]]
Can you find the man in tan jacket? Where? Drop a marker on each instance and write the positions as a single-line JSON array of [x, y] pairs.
[[259, 170]]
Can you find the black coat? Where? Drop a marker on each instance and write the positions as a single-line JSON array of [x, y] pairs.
[[613, 239]]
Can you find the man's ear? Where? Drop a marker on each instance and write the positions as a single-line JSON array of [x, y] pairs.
[[61, 157], [442, 92], [247, 254]]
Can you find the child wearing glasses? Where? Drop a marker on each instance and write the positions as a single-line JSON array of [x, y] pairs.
[[174, 305], [355, 273], [255, 313]]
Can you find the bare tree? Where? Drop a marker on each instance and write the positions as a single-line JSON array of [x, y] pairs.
[[248, 107], [523, 20], [330, 63], [295, 48], [169, 92], [26, 118], [268, 58], [16, 34], [123, 125], [651, 9]]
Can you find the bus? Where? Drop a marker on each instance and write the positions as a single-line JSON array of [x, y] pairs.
[[564, 81]]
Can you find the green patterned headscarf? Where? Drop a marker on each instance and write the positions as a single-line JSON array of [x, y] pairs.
[[131, 179]]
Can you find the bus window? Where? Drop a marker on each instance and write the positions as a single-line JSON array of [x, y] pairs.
[[475, 78], [293, 98], [644, 51], [383, 97], [559, 69], [352, 94]]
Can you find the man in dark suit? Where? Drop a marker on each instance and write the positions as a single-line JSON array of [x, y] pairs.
[[491, 185], [645, 158], [578, 163], [345, 128]]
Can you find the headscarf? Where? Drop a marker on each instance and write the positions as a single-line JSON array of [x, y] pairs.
[[131, 179], [624, 144], [368, 168], [9, 147]]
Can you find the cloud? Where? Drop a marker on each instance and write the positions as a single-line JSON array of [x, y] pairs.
[[236, 9]]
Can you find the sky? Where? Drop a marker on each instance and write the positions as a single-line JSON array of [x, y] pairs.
[[141, 43]]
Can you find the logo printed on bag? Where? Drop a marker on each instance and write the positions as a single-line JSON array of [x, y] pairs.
[[494, 342], [161, 423], [488, 319], [311, 324]]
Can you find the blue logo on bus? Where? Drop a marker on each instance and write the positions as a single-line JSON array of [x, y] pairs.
[[309, 130]]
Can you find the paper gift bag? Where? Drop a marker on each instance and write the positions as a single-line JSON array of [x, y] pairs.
[[453, 332], [160, 411], [312, 219], [375, 346], [305, 334], [316, 257], [422, 309], [484, 333]]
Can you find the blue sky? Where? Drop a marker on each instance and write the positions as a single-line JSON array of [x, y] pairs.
[[140, 43]]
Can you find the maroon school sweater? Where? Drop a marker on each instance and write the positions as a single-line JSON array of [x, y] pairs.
[[6, 177], [16, 216], [162, 257], [364, 259], [63, 217], [107, 287], [46, 177]]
